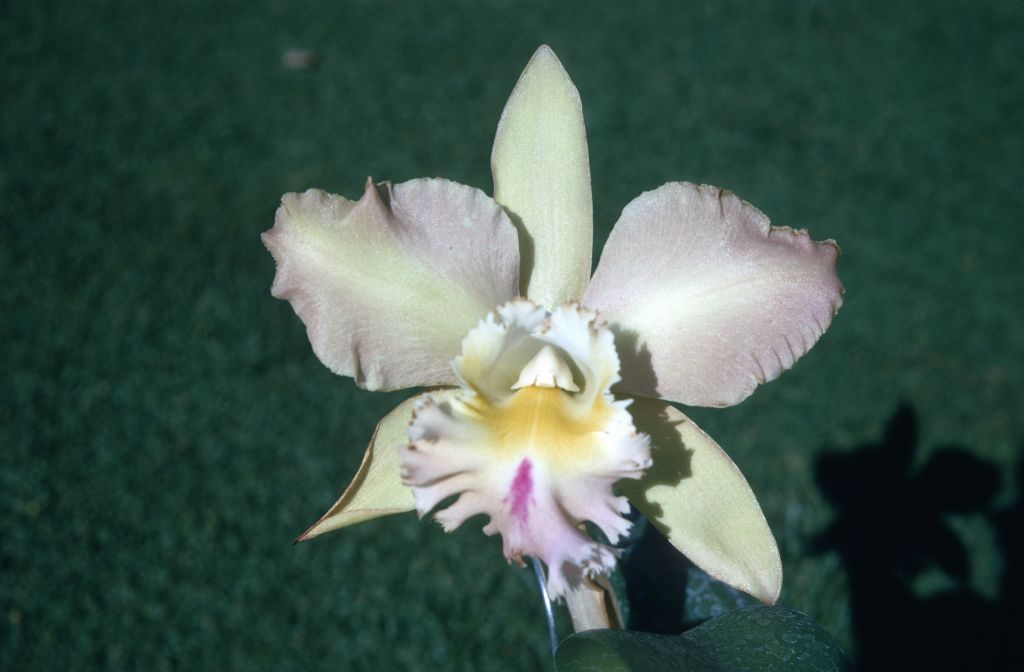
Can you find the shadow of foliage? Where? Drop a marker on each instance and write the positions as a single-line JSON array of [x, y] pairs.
[[892, 526]]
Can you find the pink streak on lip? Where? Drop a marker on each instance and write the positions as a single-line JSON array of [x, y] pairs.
[[522, 486]]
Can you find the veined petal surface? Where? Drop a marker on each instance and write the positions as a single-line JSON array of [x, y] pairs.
[[377, 489], [388, 286], [541, 170], [708, 299], [700, 501]]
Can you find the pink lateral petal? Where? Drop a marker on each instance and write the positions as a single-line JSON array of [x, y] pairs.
[[706, 298], [389, 286]]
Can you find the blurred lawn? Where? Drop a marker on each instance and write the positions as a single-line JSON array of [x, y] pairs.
[[165, 430]]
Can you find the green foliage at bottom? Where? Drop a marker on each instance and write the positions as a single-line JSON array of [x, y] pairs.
[[758, 639]]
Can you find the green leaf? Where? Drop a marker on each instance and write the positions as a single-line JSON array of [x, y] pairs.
[[758, 639], [708, 598]]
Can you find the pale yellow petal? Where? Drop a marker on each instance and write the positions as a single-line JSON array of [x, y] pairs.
[[388, 286], [542, 177], [377, 488], [700, 501]]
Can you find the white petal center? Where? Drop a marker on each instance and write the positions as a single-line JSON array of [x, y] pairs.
[[546, 369]]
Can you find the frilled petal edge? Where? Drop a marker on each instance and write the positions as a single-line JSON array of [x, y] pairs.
[[697, 497], [377, 489], [707, 298], [388, 286]]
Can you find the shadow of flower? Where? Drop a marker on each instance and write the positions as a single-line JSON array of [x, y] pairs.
[[892, 526]]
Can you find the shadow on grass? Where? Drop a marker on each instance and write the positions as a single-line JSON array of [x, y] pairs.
[[892, 528]]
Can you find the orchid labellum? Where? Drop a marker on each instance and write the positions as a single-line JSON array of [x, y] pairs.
[[550, 387]]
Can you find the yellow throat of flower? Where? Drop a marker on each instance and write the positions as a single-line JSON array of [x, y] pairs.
[[545, 424]]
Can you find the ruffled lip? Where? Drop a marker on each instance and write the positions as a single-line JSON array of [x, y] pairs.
[[538, 459]]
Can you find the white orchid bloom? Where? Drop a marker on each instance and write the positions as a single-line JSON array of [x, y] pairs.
[[557, 381]]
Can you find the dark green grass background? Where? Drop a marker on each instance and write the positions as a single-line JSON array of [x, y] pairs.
[[165, 430]]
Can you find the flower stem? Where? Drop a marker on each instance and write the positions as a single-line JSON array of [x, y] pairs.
[[593, 605]]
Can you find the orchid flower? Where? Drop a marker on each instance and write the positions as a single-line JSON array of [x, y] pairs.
[[548, 388]]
